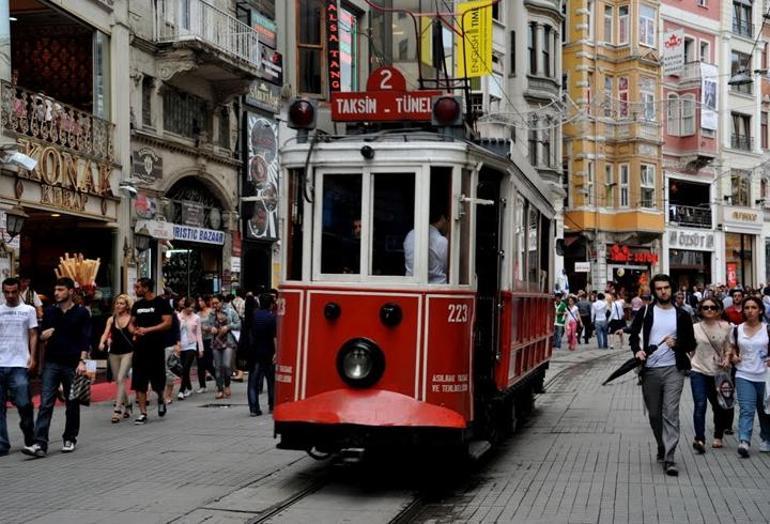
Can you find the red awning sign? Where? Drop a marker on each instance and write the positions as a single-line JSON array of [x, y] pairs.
[[386, 100]]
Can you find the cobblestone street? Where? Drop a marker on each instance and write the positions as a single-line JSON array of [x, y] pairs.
[[586, 456]]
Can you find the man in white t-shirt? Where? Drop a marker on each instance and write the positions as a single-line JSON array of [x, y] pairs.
[[667, 338], [18, 336], [28, 296], [438, 249]]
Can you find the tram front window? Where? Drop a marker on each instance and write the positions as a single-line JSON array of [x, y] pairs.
[[341, 243], [393, 219]]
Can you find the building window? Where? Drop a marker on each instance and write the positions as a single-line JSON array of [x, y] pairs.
[[184, 114], [703, 3], [741, 138], [742, 18], [224, 128], [546, 142], [763, 130], [532, 140], [647, 25], [705, 51], [547, 51], [531, 39], [623, 24], [609, 184], [740, 63], [623, 170], [647, 98], [607, 103], [741, 187], [589, 94], [763, 58], [672, 114], [609, 16], [513, 53], [589, 188], [310, 46], [623, 96], [590, 19], [689, 49], [350, 32], [148, 83], [647, 185], [687, 127]]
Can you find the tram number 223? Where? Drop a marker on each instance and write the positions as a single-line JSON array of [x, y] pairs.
[[458, 313]]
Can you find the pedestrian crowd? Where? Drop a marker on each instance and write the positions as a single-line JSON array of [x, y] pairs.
[[153, 341], [717, 337]]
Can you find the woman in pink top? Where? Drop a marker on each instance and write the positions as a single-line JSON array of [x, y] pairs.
[[190, 345], [573, 321]]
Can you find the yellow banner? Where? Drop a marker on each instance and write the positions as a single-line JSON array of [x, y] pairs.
[[474, 50]]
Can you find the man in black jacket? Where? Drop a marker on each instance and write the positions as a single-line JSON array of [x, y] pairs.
[[667, 337]]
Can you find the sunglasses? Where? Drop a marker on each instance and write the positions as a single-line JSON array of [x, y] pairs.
[[709, 308]]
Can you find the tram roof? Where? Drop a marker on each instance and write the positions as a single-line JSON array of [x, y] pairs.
[[394, 148]]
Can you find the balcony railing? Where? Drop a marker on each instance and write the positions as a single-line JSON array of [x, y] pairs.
[[742, 142], [690, 216], [743, 28], [197, 20], [38, 116]]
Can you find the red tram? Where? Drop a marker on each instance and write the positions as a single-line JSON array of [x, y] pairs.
[[415, 300]]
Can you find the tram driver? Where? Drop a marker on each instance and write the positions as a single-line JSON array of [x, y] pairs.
[[438, 249]]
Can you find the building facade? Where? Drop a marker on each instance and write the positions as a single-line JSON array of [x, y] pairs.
[[612, 151]]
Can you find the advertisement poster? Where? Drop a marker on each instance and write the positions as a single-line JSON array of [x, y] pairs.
[[261, 178], [474, 47], [708, 92], [673, 52], [732, 274]]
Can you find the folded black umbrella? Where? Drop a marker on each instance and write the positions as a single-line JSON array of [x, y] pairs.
[[624, 368]]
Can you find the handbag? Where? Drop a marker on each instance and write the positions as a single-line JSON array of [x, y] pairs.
[[723, 382], [80, 390], [174, 364]]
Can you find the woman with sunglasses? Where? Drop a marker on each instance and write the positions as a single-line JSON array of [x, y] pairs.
[[748, 353], [709, 358]]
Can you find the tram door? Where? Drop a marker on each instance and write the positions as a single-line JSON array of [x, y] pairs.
[[488, 266]]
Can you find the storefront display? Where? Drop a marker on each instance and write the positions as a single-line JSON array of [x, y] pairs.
[[629, 268], [690, 257]]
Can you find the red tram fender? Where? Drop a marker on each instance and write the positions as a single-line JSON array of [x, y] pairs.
[[371, 407]]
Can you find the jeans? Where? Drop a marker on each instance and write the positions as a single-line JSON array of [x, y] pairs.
[[751, 398], [222, 359], [187, 358], [120, 364], [662, 390], [53, 375], [205, 363], [601, 333], [558, 333], [703, 391], [266, 370], [17, 381]]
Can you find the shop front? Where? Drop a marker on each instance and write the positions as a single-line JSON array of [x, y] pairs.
[[691, 257], [629, 268], [743, 228]]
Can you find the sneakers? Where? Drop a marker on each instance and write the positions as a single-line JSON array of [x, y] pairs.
[[180, 396], [68, 447], [671, 469], [187, 393], [141, 419], [161, 409], [764, 446], [200, 390], [35, 450], [743, 449]]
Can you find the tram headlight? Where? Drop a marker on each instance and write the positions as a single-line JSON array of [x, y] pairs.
[[360, 363]]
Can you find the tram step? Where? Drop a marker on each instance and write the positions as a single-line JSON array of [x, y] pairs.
[[477, 448]]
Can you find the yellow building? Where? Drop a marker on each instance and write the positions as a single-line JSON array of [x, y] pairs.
[[612, 159]]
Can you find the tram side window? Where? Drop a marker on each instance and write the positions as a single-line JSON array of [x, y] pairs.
[[392, 221], [465, 229], [520, 226], [440, 225], [533, 241], [295, 225], [545, 252], [341, 230]]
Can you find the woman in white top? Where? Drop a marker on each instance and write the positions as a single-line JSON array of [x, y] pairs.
[[190, 344], [573, 321], [709, 358], [599, 312], [749, 356], [617, 319]]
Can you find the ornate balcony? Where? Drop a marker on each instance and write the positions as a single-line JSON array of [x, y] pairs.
[[35, 115], [195, 34], [690, 216], [742, 142]]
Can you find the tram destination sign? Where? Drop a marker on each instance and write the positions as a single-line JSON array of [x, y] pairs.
[[385, 100]]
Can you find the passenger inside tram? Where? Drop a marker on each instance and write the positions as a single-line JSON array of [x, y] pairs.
[[438, 249]]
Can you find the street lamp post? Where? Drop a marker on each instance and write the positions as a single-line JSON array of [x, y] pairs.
[[142, 239]]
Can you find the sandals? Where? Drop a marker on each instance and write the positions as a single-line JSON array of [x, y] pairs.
[[699, 446], [117, 416]]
